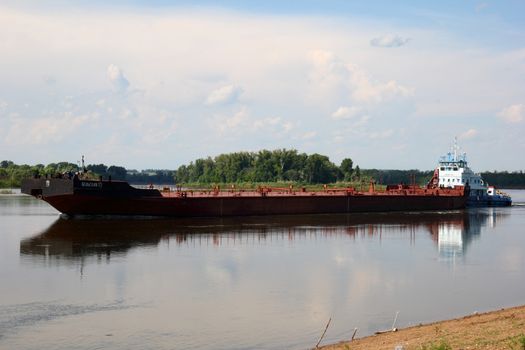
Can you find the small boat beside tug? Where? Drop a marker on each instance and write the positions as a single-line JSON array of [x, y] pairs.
[[453, 171]]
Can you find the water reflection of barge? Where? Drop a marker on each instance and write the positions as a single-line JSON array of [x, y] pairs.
[[453, 238], [69, 240]]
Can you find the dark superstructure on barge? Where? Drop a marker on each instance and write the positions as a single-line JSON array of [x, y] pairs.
[[76, 196]]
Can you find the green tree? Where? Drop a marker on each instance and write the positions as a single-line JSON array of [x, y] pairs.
[[98, 169], [6, 164], [357, 173], [233, 167], [209, 174], [50, 169], [319, 169], [241, 166], [181, 175], [289, 164], [347, 169], [197, 170], [64, 167], [265, 167], [297, 169], [117, 172], [38, 170]]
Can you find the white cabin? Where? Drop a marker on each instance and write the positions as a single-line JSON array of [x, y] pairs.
[[454, 171]]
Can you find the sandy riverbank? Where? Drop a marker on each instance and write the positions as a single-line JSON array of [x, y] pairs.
[[503, 329]]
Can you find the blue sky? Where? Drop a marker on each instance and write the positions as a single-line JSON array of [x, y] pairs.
[[159, 83]]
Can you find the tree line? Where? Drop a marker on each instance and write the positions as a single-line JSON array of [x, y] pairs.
[[265, 166], [280, 165], [147, 176], [392, 176], [505, 179], [11, 174]]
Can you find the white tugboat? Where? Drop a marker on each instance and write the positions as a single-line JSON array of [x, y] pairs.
[[453, 171]]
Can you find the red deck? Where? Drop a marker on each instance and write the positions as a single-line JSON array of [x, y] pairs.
[[400, 190]]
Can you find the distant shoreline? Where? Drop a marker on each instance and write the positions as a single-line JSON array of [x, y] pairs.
[[501, 329], [264, 168]]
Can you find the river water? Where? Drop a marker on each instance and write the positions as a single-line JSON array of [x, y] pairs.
[[247, 283]]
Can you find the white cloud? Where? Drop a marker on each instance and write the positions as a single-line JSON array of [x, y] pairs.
[[223, 95], [274, 126], [513, 114], [365, 90], [357, 125], [287, 126], [46, 130], [339, 138], [389, 40], [237, 119], [481, 6], [334, 76], [361, 121], [117, 79], [470, 133], [156, 135], [328, 76], [346, 112], [261, 123], [309, 135], [380, 134], [243, 123], [230, 123], [199, 75]]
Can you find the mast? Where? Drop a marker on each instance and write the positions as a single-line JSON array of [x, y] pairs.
[[455, 148]]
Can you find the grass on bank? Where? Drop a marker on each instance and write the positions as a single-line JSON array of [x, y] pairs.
[[441, 345], [518, 342]]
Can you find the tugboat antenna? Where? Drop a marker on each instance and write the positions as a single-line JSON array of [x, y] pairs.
[[83, 166], [455, 148]]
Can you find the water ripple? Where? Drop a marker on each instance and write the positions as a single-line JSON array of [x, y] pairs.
[[14, 317]]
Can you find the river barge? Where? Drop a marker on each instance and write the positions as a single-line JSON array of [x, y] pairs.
[[76, 196]]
